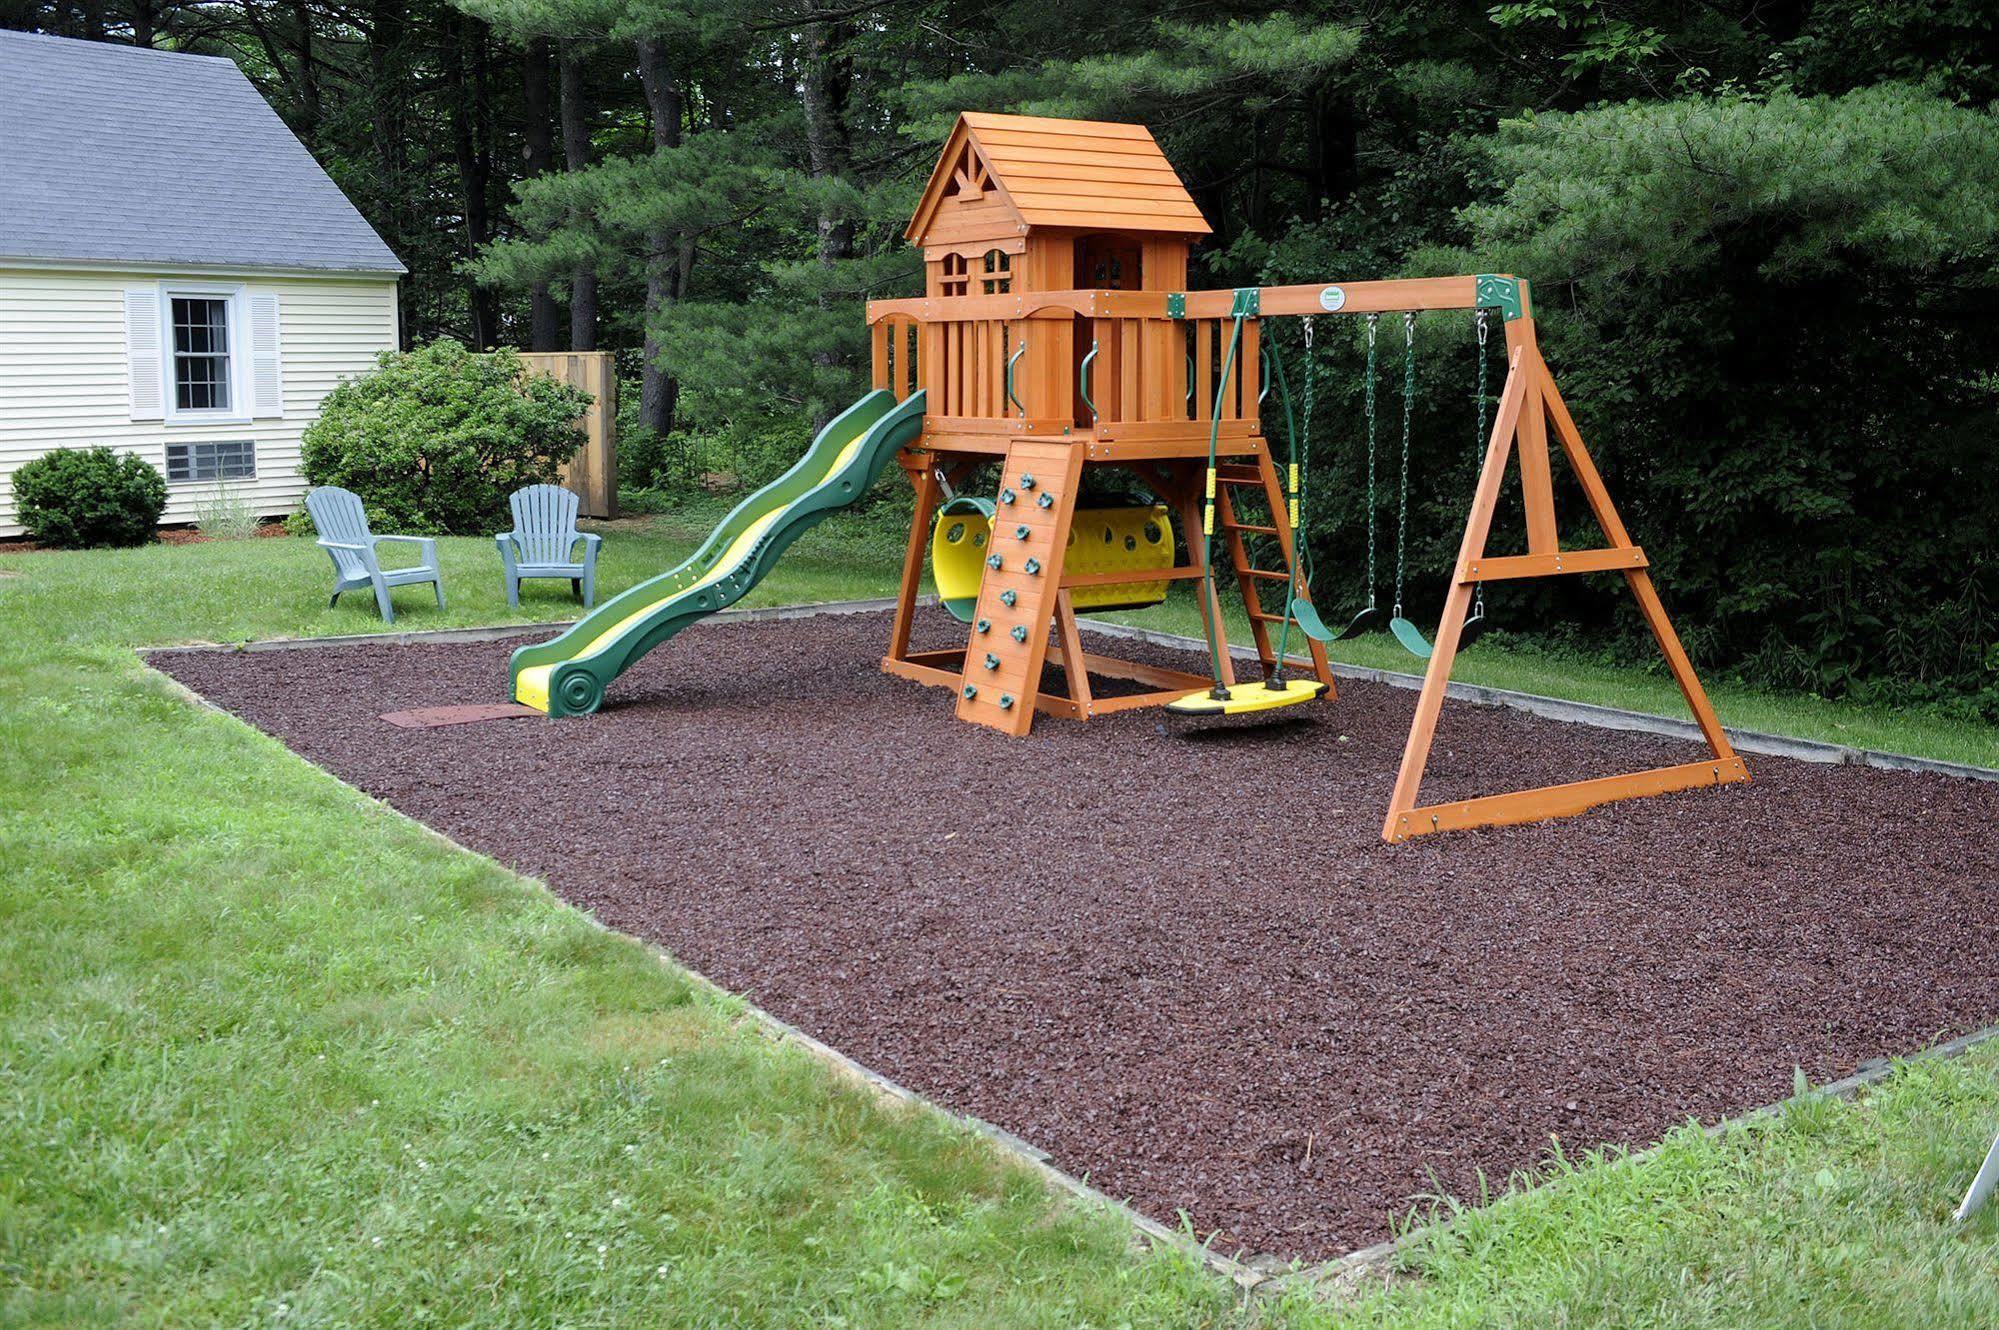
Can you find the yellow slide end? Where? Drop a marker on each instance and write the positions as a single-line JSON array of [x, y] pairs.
[[531, 688], [1248, 697]]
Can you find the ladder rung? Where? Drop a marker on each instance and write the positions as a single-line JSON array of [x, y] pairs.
[[1267, 575], [1239, 476], [1259, 617], [1243, 526]]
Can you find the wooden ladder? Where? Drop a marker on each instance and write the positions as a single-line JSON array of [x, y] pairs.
[[1017, 597], [1263, 476]]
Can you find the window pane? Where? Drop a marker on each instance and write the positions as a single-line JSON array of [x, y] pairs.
[[201, 353], [229, 459]]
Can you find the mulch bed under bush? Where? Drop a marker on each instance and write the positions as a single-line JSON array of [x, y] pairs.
[[1187, 965]]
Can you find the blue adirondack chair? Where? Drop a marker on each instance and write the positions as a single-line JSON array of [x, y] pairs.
[[344, 535], [543, 542]]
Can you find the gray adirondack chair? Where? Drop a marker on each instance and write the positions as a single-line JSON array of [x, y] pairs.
[[543, 542], [344, 535]]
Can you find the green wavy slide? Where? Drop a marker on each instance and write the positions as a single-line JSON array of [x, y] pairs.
[[567, 675]]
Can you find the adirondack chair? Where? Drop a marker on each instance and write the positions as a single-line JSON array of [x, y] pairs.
[[344, 535], [543, 542]]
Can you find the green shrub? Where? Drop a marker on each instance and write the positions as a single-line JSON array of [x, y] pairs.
[[435, 439], [77, 498]]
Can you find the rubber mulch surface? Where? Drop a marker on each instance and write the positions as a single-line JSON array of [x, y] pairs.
[[1187, 965]]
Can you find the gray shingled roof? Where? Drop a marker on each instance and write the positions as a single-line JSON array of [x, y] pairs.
[[122, 154]]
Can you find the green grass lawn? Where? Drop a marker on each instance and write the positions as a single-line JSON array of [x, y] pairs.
[[272, 1055]]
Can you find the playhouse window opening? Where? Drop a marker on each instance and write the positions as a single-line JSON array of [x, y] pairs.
[[998, 278]]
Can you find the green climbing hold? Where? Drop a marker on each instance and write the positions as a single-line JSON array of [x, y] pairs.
[[1046, 500], [1006, 701], [985, 625], [1020, 533], [1020, 632], [1007, 598], [1027, 480], [1033, 566], [970, 692], [992, 661], [1006, 496], [993, 561]]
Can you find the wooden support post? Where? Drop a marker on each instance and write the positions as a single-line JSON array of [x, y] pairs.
[[1537, 489], [921, 470], [1074, 662]]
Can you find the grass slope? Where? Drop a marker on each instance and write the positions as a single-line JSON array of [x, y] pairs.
[[272, 1055]]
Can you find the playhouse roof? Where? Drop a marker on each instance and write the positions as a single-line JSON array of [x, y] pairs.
[[1094, 174]]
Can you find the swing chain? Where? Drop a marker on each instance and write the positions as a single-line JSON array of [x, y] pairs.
[[1478, 446], [1402, 497], [1372, 320], [1301, 458]]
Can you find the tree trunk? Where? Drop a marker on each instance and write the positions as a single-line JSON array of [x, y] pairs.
[[825, 91], [1333, 146], [668, 261], [538, 70], [145, 26], [308, 77], [827, 87], [466, 91], [576, 156], [388, 78]]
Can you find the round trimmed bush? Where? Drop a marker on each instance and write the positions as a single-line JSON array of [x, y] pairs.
[[435, 439], [80, 498]]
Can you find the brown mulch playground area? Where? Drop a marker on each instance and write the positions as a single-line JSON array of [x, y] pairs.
[[1187, 966]]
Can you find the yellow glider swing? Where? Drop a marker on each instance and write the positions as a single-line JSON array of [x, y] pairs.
[[1276, 692]]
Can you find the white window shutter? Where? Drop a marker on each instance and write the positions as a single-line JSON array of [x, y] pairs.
[[144, 362], [267, 392]]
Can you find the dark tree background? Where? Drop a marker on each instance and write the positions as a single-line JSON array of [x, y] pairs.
[[1764, 238]]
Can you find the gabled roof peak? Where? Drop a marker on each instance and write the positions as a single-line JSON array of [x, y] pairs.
[[1090, 174]]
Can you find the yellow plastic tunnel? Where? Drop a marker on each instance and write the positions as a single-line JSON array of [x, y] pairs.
[[1136, 538]]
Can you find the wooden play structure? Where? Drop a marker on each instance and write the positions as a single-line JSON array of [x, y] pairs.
[[1056, 338]]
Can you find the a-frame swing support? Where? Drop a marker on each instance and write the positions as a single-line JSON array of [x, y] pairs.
[[1528, 403]]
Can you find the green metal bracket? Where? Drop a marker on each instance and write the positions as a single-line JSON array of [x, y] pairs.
[[1011, 361], [1248, 303], [1084, 389], [1500, 293], [1176, 304]]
